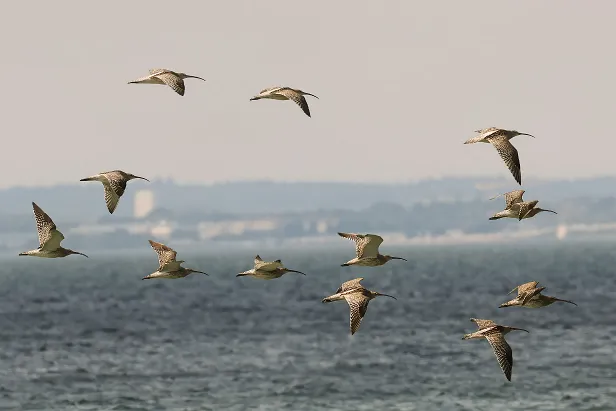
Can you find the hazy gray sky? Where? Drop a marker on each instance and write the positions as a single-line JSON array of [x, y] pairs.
[[402, 84]]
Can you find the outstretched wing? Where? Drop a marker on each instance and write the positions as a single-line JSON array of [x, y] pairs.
[[268, 266], [513, 197], [172, 80], [166, 257], [114, 189], [365, 245], [528, 295], [358, 305], [509, 155], [525, 207], [350, 285], [49, 236], [523, 288], [298, 98], [483, 323], [502, 350], [156, 71]]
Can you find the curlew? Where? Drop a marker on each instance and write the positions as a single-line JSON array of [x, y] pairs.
[[367, 250], [499, 138], [529, 296], [166, 77], [286, 93], [49, 237], [267, 270], [114, 183], [516, 207], [528, 210], [357, 297], [168, 266], [495, 334]]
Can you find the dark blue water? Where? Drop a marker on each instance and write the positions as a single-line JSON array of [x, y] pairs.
[[89, 334]]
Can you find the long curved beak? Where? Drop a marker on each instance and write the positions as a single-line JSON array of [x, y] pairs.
[[549, 211], [524, 134], [201, 272], [399, 258], [387, 295], [143, 178], [293, 271], [308, 94], [77, 252], [195, 77], [519, 329], [565, 301]]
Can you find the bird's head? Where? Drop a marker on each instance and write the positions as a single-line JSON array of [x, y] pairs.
[[554, 299], [184, 75], [286, 270], [376, 294], [69, 252], [506, 329], [390, 257], [190, 271], [514, 133], [132, 177], [543, 209]]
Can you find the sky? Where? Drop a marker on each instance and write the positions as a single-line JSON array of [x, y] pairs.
[[401, 85]]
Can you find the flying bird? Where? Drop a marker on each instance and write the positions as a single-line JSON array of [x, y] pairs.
[[267, 270], [357, 297], [114, 183], [529, 296], [367, 250], [49, 237], [286, 93], [166, 77], [495, 334], [168, 266], [528, 209], [499, 138]]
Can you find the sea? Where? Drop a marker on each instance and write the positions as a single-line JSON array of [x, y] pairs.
[[89, 334]]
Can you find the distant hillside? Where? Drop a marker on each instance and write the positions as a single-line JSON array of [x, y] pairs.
[[84, 201]]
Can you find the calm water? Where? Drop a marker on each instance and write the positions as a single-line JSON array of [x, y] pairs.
[[82, 334]]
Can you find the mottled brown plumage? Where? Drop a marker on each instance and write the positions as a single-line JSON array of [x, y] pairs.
[[495, 334], [357, 297]]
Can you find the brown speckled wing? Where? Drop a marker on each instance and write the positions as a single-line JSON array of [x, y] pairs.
[[358, 305], [503, 352], [509, 155], [173, 81], [299, 99]]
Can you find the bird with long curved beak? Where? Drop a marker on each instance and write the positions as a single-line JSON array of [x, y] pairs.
[[286, 93], [267, 270], [367, 250], [168, 266], [527, 209], [358, 297], [495, 334], [529, 296], [499, 138], [166, 77], [49, 237], [114, 183]]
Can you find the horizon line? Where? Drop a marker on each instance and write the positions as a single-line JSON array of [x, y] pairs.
[[179, 182]]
